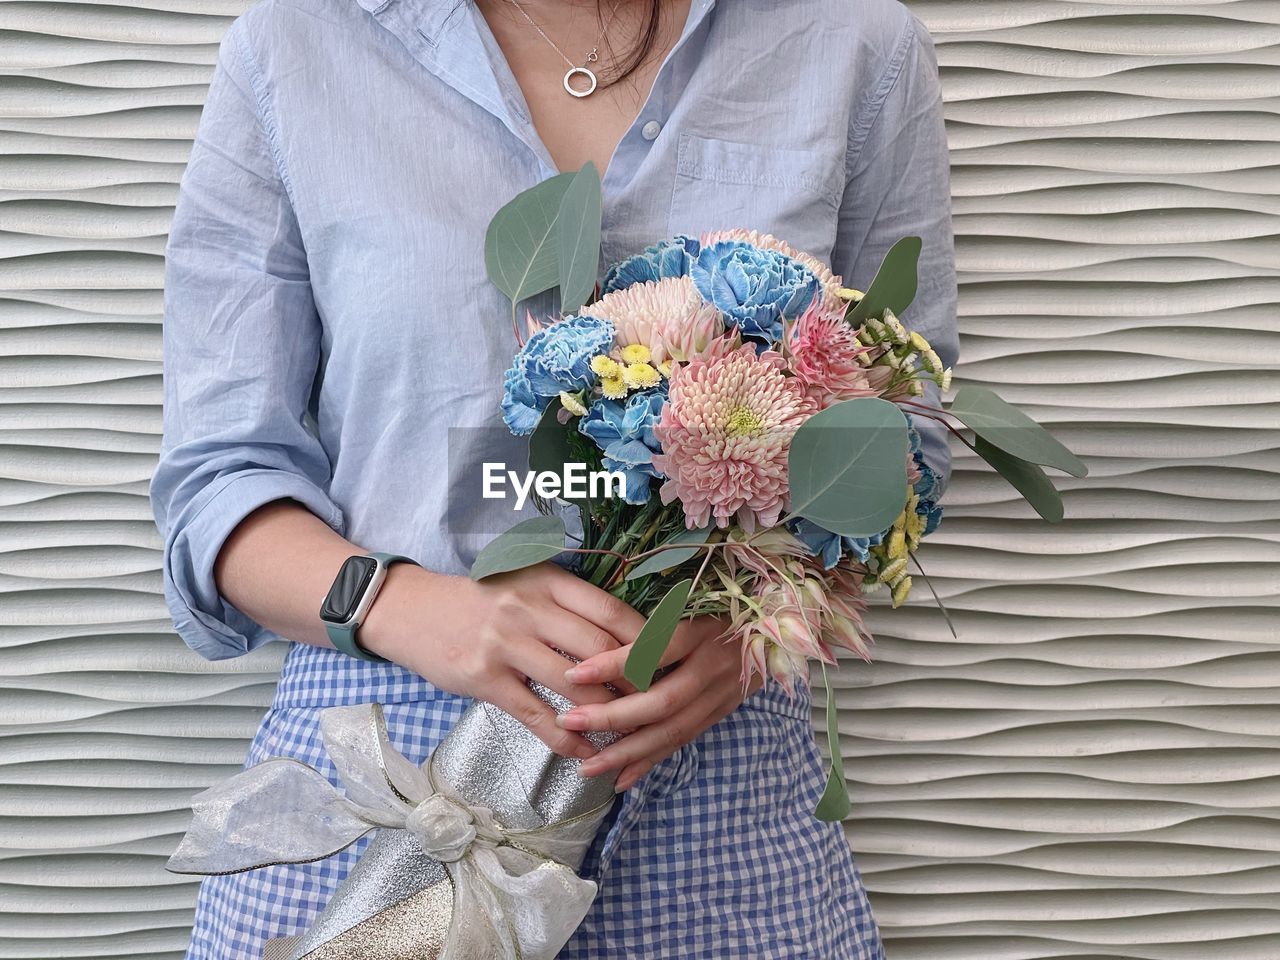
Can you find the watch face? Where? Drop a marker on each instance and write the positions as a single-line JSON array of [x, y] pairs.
[[348, 587]]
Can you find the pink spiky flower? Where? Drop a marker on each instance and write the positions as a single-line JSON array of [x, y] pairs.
[[825, 354], [798, 612], [725, 433]]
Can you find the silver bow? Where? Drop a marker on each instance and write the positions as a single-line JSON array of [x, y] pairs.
[[513, 890]]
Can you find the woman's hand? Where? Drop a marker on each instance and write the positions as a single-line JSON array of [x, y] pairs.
[[484, 639], [704, 687]]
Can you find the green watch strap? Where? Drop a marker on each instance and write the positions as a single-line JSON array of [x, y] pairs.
[[343, 636]]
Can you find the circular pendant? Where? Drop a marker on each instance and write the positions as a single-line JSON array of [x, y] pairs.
[[574, 91]]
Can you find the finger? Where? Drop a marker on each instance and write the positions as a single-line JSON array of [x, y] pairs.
[[656, 741], [580, 638], [511, 694], [602, 608], [666, 698], [543, 665], [632, 774], [608, 667]]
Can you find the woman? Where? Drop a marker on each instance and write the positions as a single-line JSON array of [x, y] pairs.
[[328, 320]]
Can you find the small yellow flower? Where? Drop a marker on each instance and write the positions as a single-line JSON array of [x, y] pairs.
[[920, 343], [900, 591], [945, 380], [606, 367], [640, 375], [848, 293], [573, 403], [613, 387], [893, 570], [665, 367], [897, 543], [636, 353]]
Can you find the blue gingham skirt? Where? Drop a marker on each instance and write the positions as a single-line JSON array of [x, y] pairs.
[[714, 855]]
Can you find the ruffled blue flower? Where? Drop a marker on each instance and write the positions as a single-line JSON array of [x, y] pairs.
[[928, 487], [556, 358], [666, 258], [832, 546], [624, 431], [521, 408], [754, 288]]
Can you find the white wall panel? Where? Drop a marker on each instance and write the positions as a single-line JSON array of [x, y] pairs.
[[1090, 771]]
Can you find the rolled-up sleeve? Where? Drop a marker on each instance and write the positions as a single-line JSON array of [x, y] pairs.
[[241, 352], [898, 186]]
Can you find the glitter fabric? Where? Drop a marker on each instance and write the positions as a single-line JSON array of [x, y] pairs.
[[466, 860]]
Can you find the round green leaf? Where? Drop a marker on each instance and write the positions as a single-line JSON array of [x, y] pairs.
[[520, 249], [833, 805], [894, 286], [672, 558], [1008, 428], [847, 467], [524, 545], [1028, 479], [655, 636], [578, 238]]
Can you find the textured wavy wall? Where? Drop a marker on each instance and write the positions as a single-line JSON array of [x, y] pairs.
[[1090, 771]]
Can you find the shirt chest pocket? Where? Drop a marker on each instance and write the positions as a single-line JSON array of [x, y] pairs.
[[791, 193]]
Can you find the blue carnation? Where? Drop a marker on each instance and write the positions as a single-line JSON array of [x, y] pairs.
[[754, 288], [556, 358], [666, 258], [832, 546], [624, 431], [521, 408], [928, 488]]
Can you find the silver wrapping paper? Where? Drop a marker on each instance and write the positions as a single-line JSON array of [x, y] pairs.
[[397, 903]]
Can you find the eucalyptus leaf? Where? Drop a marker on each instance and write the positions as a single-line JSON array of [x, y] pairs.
[[655, 636], [527, 543], [670, 559], [1027, 478], [1008, 428], [894, 286], [549, 443], [520, 248], [578, 238], [833, 806], [848, 467]]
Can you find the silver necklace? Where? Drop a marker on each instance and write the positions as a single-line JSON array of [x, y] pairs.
[[574, 70]]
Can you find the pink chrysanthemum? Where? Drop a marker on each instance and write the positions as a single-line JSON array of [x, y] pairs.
[[668, 316], [725, 432], [824, 353], [828, 281]]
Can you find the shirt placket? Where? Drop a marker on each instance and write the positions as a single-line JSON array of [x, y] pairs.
[[451, 39]]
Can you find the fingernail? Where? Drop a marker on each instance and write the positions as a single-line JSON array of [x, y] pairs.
[[584, 751], [620, 787], [573, 720], [579, 674], [589, 769]]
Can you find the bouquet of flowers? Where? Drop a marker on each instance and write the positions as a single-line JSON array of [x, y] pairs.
[[753, 411], [749, 414]]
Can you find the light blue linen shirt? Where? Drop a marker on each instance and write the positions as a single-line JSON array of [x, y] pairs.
[[327, 315]]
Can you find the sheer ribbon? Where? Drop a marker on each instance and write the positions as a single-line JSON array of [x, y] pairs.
[[514, 895]]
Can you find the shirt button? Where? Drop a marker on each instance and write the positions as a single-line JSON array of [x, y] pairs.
[[651, 130]]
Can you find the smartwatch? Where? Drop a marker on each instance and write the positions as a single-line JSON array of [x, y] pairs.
[[349, 599]]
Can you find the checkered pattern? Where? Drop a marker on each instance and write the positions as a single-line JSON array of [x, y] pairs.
[[715, 855]]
